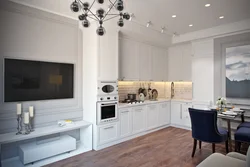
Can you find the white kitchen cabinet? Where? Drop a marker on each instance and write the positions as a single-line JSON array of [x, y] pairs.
[[138, 119], [164, 113], [128, 60], [152, 116], [108, 133], [159, 64], [180, 63], [145, 62], [108, 56], [176, 113], [125, 122], [186, 121]]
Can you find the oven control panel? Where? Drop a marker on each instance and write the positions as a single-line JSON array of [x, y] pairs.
[[108, 98]]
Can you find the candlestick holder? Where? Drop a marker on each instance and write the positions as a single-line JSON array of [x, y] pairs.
[[27, 130], [19, 124], [31, 129]]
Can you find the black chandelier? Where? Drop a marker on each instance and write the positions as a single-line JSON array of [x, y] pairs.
[[101, 15]]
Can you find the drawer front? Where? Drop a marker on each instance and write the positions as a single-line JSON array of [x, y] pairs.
[[108, 133]]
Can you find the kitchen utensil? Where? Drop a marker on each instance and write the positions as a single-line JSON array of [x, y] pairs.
[[141, 97], [140, 89], [154, 94], [131, 96]]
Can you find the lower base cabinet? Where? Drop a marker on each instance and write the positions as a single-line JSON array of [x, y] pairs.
[[180, 114], [138, 119], [125, 122], [108, 133], [164, 114], [152, 116]]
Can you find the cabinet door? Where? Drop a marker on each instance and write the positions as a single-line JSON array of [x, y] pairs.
[[125, 122], [164, 113], [176, 117], [152, 116], [108, 133], [187, 62], [108, 56], [128, 60], [138, 119], [145, 64], [174, 64], [159, 64], [185, 114]]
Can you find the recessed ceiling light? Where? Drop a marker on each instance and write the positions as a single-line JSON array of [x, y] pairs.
[[174, 16], [207, 5], [190, 25], [221, 17]]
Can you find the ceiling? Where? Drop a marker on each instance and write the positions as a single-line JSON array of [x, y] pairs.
[[160, 12]]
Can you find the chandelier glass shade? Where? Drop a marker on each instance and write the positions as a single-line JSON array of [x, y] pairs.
[[100, 15]]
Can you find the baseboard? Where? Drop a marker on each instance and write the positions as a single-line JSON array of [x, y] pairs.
[[121, 140], [181, 126]]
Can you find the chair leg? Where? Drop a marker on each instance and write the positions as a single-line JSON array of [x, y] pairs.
[[226, 144], [199, 144], [239, 146], [213, 147], [236, 146], [194, 147]]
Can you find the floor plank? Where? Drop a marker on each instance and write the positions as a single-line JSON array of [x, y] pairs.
[[164, 148]]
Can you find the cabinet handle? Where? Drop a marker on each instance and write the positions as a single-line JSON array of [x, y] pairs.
[[124, 112], [109, 127], [181, 112]]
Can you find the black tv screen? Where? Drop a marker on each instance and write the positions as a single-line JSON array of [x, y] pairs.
[[26, 80]]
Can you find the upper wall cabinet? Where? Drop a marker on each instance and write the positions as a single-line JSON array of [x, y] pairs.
[[108, 56], [159, 64], [128, 60], [140, 61], [180, 63]]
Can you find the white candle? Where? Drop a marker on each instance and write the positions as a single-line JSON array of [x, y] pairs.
[[19, 109], [31, 111], [26, 117]]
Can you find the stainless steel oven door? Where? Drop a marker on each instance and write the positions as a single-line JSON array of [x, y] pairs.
[[106, 112]]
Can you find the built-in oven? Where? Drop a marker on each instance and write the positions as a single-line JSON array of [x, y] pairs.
[[107, 112]]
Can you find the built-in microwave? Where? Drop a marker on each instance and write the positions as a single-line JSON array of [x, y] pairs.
[[107, 112], [107, 88]]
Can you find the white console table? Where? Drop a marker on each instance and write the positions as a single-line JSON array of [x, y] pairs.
[[84, 145]]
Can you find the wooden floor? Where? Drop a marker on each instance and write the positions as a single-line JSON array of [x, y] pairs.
[[170, 147]]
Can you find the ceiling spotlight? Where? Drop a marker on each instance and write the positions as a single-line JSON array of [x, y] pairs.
[[190, 25], [148, 24], [132, 15], [75, 6], [221, 17], [163, 29], [174, 16], [208, 5]]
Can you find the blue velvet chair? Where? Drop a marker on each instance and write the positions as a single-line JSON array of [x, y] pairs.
[[244, 124], [204, 128]]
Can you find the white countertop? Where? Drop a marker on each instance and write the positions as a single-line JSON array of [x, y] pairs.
[[124, 105]]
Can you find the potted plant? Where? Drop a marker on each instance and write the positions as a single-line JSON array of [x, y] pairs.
[[221, 103]]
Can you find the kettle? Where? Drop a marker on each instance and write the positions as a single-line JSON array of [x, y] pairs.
[[141, 97]]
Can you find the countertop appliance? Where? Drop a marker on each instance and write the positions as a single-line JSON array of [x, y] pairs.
[[107, 88]]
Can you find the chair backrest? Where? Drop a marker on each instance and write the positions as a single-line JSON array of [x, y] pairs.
[[204, 125]]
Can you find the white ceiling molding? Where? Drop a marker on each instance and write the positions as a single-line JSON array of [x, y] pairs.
[[219, 31]]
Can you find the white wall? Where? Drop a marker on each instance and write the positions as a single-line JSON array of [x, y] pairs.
[[28, 33]]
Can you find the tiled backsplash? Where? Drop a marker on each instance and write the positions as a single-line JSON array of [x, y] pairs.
[[182, 90]]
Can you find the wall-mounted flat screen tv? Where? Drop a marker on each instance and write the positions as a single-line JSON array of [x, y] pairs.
[[26, 80]]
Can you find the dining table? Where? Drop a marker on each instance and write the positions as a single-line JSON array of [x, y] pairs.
[[229, 119]]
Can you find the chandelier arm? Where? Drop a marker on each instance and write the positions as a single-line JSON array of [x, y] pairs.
[[94, 15], [111, 18], [93, 18], [113, 4], [92, 4], [113, 14]]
